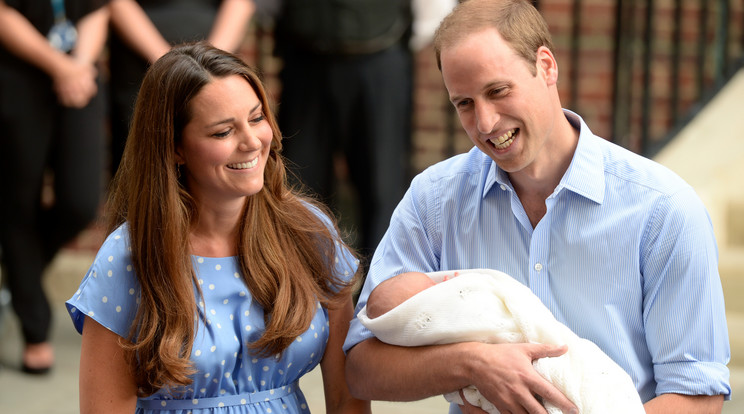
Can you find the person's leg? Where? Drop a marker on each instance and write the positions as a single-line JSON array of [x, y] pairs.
[[377, 140], [26, 123], [302, 115], [77, 165]]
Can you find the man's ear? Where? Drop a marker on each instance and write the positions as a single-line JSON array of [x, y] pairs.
[[547, 67]]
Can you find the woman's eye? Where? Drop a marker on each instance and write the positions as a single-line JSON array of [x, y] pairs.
[[258, 119], [223, 133]]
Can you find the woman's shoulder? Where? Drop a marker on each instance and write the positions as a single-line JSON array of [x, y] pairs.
[[109, 291]]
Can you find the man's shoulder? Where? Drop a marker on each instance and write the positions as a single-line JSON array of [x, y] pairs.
[[471, 163], [636, 170]]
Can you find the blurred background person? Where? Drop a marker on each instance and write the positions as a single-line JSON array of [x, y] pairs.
[[51, 125], [346, 100], [143, 30]]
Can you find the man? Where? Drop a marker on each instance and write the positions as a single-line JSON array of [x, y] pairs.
[[619, 248]]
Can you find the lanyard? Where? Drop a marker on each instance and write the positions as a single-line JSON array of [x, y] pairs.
[[58, 7]]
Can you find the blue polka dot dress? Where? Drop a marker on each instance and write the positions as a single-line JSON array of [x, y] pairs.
[[229, 378]]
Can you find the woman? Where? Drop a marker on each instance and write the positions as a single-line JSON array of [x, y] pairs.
[[52, 124], [219, 286]]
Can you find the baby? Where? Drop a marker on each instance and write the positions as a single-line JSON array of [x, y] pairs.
[[396, 290], [414, 309]]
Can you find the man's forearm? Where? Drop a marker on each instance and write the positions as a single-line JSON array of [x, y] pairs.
[[378, 371], [685, 404]]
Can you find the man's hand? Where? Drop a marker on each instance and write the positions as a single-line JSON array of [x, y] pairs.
[[504, 375]]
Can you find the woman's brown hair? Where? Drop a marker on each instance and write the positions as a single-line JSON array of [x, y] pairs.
[[287, 254]]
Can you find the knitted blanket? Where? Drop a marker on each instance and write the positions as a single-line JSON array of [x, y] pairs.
[[489, 306]]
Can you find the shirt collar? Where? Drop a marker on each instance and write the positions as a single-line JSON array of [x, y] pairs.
[[585, 174]]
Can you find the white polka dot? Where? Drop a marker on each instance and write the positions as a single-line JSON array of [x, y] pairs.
[[271, 392], [224, 302], [250, 378], [223, 362], [110, 273], [200, 260], [104, 299], [335, 260], [263, 382], [213, 348], [237, 275], [131, 291], [247, 327], [213, 312], [201, 281], [73, 310], [265, 368], [117, 237], [227, 375], [268, 410], [111, 258], [281, 371], [211, 286], [195, 401], [231, 316], [235, 354], [303, 406], [91, 313], [221, 404], [207, 375], [312, 326], [118, 309], [218, 267], [299, 339], [163, 403], [219, 326], [198, 352], [129, 268], [246, 313], [203, 390], [222, 392], [242, 293], [254, 360], [315, 335], [243, 401]]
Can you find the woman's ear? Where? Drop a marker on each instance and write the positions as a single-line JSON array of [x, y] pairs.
[[546, 65], [178, 157]]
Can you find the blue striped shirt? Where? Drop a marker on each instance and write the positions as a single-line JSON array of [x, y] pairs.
[[625, 256]]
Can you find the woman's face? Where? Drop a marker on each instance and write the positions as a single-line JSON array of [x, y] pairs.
[[226, 143]]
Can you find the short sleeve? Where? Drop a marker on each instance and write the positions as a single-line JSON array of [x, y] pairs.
[[109, 292]]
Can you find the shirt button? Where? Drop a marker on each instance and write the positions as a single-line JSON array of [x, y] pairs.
[[538, 266], [503, 187]]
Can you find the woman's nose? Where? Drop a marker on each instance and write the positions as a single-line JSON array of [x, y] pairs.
[[249, 140]]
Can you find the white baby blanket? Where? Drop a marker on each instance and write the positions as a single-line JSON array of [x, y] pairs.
[[489, 306]]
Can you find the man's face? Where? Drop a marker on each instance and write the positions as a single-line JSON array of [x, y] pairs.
[[506, 111]]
